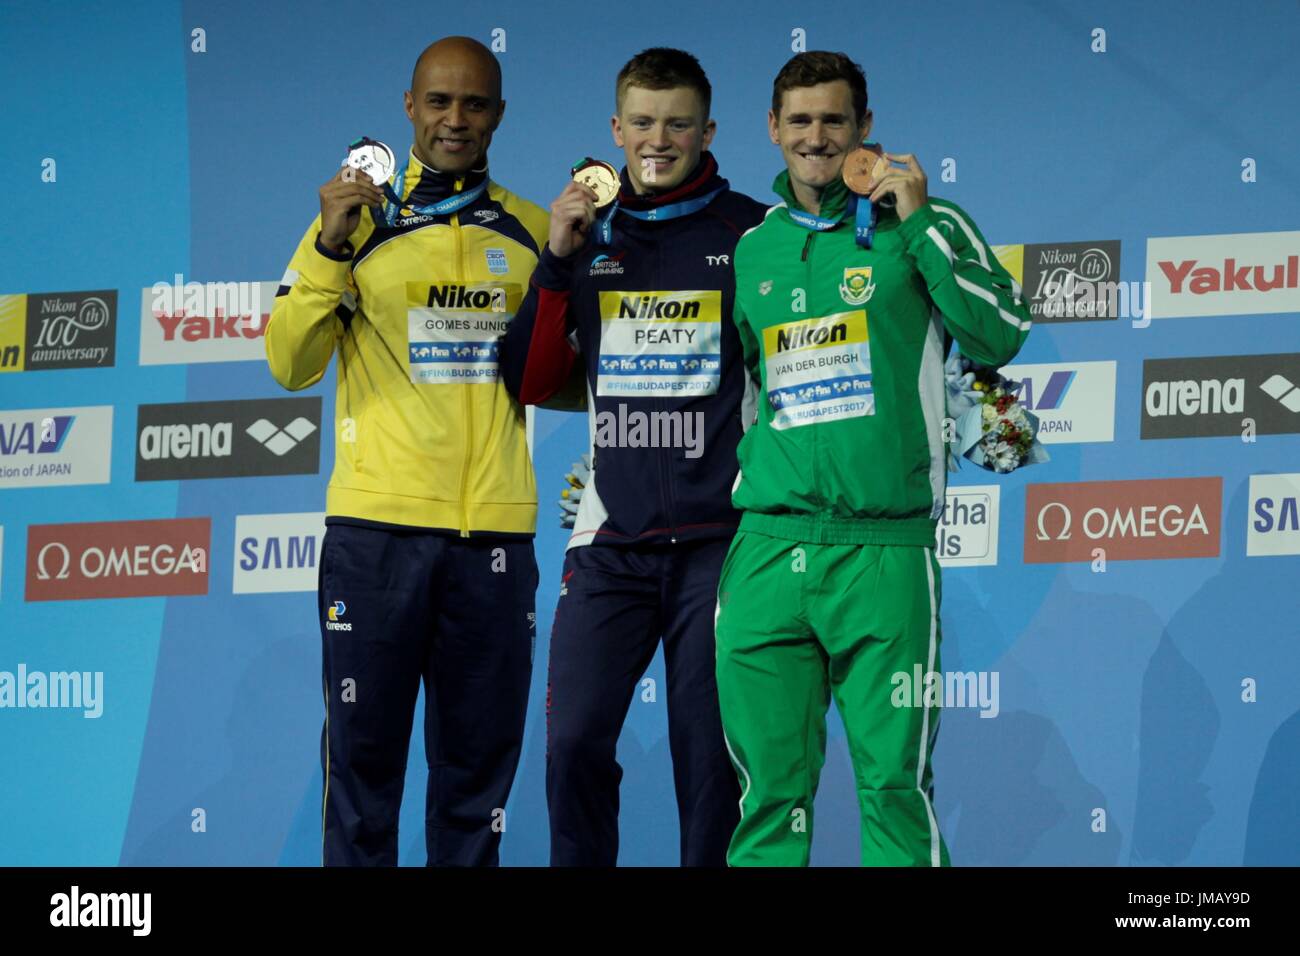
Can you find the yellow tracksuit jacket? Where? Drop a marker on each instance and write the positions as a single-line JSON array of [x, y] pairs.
[[426, 434]]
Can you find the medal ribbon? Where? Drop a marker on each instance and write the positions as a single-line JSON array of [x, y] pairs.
[[657, 214], [865, 215], [393, 204]]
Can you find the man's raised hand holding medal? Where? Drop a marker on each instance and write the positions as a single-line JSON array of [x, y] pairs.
[[594, 186]]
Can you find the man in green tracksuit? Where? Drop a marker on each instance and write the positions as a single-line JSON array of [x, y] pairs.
[[831, 585]]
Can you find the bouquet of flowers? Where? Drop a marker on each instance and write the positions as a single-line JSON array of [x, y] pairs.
[[993, 429]]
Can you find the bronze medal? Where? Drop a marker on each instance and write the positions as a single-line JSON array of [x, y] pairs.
[[864, 167]]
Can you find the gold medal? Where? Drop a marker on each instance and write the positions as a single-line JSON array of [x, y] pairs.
[[600, 177], [864, 167]]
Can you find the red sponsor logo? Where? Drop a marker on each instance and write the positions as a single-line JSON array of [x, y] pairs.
[[108, 559], [1128, 520], [1189, 275], [200, 328]]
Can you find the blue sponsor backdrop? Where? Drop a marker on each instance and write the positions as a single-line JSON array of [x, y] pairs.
[[1120, 691]]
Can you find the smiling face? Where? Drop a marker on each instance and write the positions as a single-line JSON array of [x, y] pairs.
[[816, 129], [662, 134], [454, 106]]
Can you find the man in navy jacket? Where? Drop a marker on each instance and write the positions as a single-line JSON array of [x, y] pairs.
[[641, 292]]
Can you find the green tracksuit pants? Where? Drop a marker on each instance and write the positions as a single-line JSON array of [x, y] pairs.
[[797, 623]]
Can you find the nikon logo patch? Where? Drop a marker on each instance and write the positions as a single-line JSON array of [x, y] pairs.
[[660, 343], [818, 370]]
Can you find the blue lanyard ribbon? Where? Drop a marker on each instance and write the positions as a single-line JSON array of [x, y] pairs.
[[657, 214], [865, 215], [393, 204]]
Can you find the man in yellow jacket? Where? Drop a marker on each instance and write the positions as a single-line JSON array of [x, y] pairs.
[[427, 570]]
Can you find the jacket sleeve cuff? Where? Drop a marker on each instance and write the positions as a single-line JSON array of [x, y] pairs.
[[553, 272], [913, 228], [328, 270]]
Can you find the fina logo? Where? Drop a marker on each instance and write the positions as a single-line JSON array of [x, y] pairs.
[[336, 611]]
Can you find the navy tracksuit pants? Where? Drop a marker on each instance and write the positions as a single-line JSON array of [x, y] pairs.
[[398, 607], [615, 605]]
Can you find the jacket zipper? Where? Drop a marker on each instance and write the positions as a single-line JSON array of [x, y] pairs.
[[808, 291], [464, 388], [664, 454]]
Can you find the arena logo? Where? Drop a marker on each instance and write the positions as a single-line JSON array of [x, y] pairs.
[[58, 330], [1273, 521], [1127, 520], [56, 446], [1221, 395], [1074, 402], [231, 439], [277, 552], [110, 559], [967, 535], [1241, 274], [187, 322]]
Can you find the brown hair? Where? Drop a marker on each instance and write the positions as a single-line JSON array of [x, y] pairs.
[[820, 66], [663, 68]]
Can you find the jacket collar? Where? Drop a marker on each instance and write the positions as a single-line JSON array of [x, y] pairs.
[[702, 179], [836, 200], [425, 185], [835, 197]]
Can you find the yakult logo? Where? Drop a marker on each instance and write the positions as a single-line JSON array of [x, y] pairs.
[[187, 322], [1126, 520], [1224, 275]]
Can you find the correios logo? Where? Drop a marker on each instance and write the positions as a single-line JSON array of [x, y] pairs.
[[105, 559], [1123, 520], [335, 614]]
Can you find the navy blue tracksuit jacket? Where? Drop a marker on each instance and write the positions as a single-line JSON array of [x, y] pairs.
[[668, 397]]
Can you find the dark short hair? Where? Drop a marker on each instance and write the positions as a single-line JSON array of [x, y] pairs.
[[663, 68], [816, 67]]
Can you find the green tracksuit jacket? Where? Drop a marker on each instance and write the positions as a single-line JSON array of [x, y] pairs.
[[848, 345], [831, 586]]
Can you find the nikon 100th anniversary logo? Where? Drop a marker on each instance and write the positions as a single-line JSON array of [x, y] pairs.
[[1072, 281], [54, 330]]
